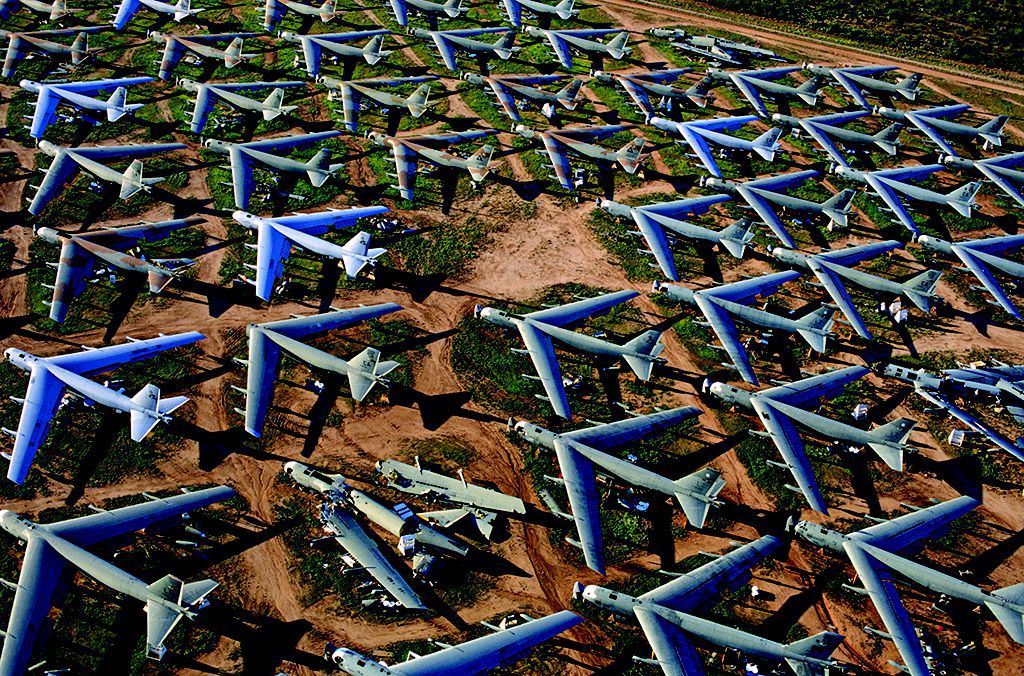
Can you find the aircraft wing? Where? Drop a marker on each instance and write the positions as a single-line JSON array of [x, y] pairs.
[[580, 486], [638, 94], [41, 572], [241, 176], [825, 141], [514, 11], [444, 48], [685, 207], [571, 313], [542, 354], [559, 160], [987, 279], [173, 51], [851, 87], [989, 170], [289, 142], [823, 386], [745, 291], [699, 144], [616, 434], [14, 53], [657, 242], [855, 254], [45, 112], [201, 110], [675, 654], [125, 11], [405, 167], [893, 201], [764, 210], [261, 373], [504, 96], [909, 529], [58, 174], [74, 268], [725, 329], [921, 122], [561, 49], [299, 327], [833, 285], [91, 362], [972, 422], [791, 447], [42, 400], [272, 249], [750, 93]]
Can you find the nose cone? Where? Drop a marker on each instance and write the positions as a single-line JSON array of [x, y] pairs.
[[924, 240], [840, 170], [243, 217], [717, 389], [589, 593], [487, 312], [520, 428], [12, 353], [291, 467]]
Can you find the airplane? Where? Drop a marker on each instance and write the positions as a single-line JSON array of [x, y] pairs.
[[501, 648], [979, 256], [51, 376], [714, 49], [668, 616], [276, 235], [656, 222], [934, 390], [450, 9], [448, 42], [513, 91], [753, 84], [1000, 381], [835, 268], [538, 330], [109, 247], [80, 95], [68, 161], [641, 86], [891, 184], [699, 134], [584, 452], [833, 138], [265, 152], [1001, 170], [891, 535], [275, 10], [127, 9], [766, 194], [313, 47], [55, 11], [936, 125], [541, 10], [860, 81], [202, 46], [558, 143], [50, 547], [208, 93], [354, 91], [782, 407], [20, 42], [407, 151], [723, 305], [584, 40]]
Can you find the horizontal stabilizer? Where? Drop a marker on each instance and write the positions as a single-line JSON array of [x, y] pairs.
[[697, 492]]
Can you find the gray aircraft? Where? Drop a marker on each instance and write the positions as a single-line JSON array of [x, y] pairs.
[[354, 92], [450, 9], [558, 143], [268, 340], [892, 186], [714, 49], [584, 453], [50, 547], [110, 247], [780, 408], [55, 11], [18, 43], [476, 503], [656, 223], [505, 646], [513, 91], [668, 617], [584, 40], [407, 150], [765, 195], [835, 268], [979, 256], [892, 536], [1000, 381], [127, 9], [83, 97], [274, 11], [67, 162], [539, 329], [833, 138], [936, 125], [935, 390], [700, 135], [202, 46], [464, 40], [723, 305], [207, 94], [860, 81], [337, 44], [1003, 170], [755, 85], [52, 377], [541, 10], [265, 153], [642, 86]]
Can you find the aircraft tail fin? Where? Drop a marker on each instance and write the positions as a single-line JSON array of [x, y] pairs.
[[647, 346], [145, 412], [737, 236], [80, 48], [1011, 618], [417, 101], [888, 440], [767, 144], [808, 91], [158, 279], [195, 593], [373, 51], [168, 588], [328, 10], [992, 131], [888, 139], [920, 289], [357, 254], [815, 326], [233, 54], [504, 45], [908, 86], [962, 199], [367, 371], [318, 168], [453, 7], [837, 207], [131, 180], [817, 647], [59, 9], [182, 9], [630, 155], [563, 10], [479, 163], [272, 107], [617, 46], [567, 95], [697, 493], [169, 601], [116, 104]]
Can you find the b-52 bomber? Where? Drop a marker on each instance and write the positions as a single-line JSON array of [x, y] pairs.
[[52, 376], [979, 256], [202, 46], [83, 97], [207, 94], [860, 81], [127, 9], [723, 305], [755, 85], [274, 11], [407, 150], [538, 330], [584, 40], [541, 10], [781, 408], [450, 9], [936, 125], [58, 9], [464, 40], [276, 235], [893, 535], [110, 247], [835, 268], [834, 139], [765, 195], [313, 47], [1003, 170], [51, 547], [656, 222], [243, 156], [668, 617], [558, 143], [267, 340], [40, 41], [642, 86], [354, 91], [701, 134], [584, 452], [68, 161], [714, 49], [1000, 381], [513, 91]]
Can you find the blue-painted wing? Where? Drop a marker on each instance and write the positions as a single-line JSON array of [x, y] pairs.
[[684, 207], [820, 387], [319, 222], [791, 447], [444, 48], [725, 329], [45, 112], [745, 291], [657, 242], [836, 289], [638, 94], [852, 88], [559, 161], [822, 137], [514, 11], [672, 647], [973, 423], [91, 362], [538, 345], [125, 11], [241, 176], [263, 364], [504, 96], [289, 142], [992, 169], [406, 160], [401, 12], [75, 267], [42, 399], [594, 132], [561, 49], [933, 134], [570, 313], [942, 111], [855, 254], [913, 528], [41, 572], [699, 144], [764, 209], [173, 51], [578, 475], [616, 434], [201, 110], [311, 55], [750, 93], [58, 174]]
